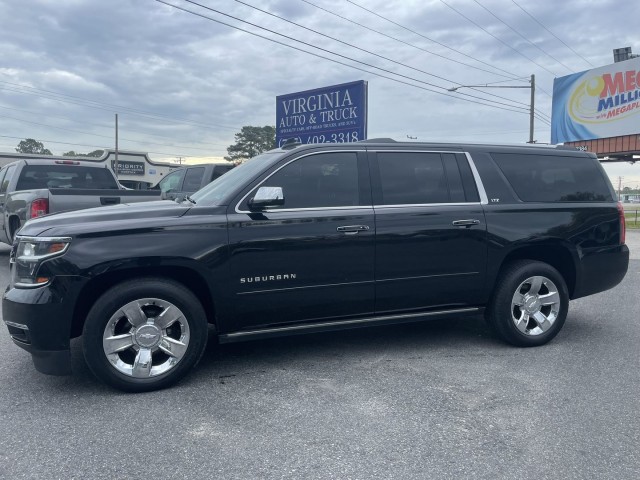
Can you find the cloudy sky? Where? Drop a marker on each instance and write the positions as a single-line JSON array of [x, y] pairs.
[[184, 83]]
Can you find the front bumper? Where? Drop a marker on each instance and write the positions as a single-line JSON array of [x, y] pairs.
[[39, 320]]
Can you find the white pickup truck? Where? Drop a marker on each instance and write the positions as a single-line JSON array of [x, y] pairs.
[[32, 188]]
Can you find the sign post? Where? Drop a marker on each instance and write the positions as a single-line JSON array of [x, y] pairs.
[[334, 114]]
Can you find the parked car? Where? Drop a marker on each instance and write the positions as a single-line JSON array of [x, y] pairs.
[[317, 238], [185, 181], [32, 188]]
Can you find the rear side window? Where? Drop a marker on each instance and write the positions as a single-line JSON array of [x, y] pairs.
[[63, 176], [410, 178], [193, 179], [218, 171], [544, 178]]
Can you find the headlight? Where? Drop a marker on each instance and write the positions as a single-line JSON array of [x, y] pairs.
[[29, 253]]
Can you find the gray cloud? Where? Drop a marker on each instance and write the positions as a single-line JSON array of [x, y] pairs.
[[143, 55]]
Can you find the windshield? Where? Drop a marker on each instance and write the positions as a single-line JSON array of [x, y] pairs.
[[219, 191]]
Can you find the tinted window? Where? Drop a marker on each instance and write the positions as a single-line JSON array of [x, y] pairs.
[[470, 187], [456, 192], [544, 178], [220, 191], [218, 171], [323, 180], [2, 174], [412, 178], [172, 181], [4, 183], [64, 176], [193, 179]]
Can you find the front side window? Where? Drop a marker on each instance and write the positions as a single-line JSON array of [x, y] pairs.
[[172, 181], [2, 174], [318, 181], [412, 178], [7, 178]]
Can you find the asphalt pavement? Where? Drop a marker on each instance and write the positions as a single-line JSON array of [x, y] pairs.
[[441, 399]]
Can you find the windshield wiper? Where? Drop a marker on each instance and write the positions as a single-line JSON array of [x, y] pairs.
[[190, 199]]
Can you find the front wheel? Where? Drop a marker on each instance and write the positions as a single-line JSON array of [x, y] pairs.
[[144, 334], [529, 305]]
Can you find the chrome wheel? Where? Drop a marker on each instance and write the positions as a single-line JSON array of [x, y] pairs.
[[535, 305], [146, 338]]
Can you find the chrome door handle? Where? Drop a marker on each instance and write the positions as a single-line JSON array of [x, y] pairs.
[[352, 229], [465, 223]]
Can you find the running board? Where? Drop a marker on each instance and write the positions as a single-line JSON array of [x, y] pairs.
[[340, 325]]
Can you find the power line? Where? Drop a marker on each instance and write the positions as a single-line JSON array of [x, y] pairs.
[[410, 30], [102, 136], [111, 107], [372, 53], [102, 147], [494, 105], [498, 39], [509, 74], [331, 52], [555, 36], [522, 36], [98, 125]]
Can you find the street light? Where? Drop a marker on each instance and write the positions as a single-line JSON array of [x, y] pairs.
[[532, 87]]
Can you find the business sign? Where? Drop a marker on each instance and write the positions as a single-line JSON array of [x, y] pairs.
[[333, 114], [599, 103], [127, 167]]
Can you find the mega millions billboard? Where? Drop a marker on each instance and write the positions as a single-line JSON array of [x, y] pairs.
[[333, 114], [599, 103]]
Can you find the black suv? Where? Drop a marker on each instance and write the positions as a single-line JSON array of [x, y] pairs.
[[317, 238]]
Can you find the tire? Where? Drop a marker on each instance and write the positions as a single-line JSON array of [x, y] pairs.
[[144, 334], [529, 305], [14, 226]]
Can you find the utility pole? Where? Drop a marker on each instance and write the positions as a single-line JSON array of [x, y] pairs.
[[620, 188], [532, 86], [116, 166], [531, 110]]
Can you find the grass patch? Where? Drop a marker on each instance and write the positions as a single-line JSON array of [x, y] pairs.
[[632, 217]]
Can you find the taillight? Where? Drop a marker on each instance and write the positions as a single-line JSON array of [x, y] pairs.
[[623, 225], [39, 207]]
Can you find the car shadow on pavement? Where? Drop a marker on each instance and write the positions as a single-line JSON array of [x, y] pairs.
[[455, 337]]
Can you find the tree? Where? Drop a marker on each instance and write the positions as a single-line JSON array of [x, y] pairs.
[[95, 153], [251, 141], [30, 145]]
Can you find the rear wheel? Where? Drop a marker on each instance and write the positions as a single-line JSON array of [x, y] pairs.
[[144, 334], [530, 304]]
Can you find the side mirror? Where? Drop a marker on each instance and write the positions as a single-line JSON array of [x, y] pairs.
[[266, 197]]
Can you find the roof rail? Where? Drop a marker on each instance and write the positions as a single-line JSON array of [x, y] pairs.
[[378, 140]]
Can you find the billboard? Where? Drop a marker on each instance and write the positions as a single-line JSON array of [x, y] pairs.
[[127, 167], [333, 114], [599, 103]]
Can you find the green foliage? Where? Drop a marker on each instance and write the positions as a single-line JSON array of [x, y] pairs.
[[95, 153], [251, 141], [30, 145]]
